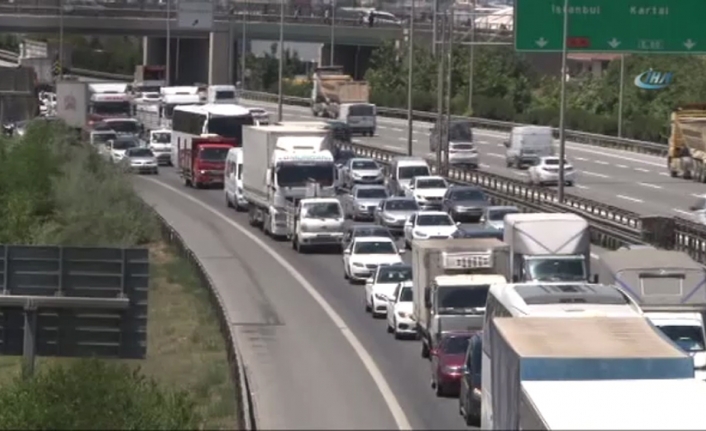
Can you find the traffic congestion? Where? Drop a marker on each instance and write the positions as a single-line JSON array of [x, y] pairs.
[[511, 309]]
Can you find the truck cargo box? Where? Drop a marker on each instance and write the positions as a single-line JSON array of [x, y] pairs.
[[657, 279], [546, 234], [597, 348], [613, 405]]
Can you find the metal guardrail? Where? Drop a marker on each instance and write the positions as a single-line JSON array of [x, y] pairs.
[[593, 139], [611, 227], [244, 405]]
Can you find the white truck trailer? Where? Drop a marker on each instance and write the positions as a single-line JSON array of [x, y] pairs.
[[72, 103], [289, 177], [670, 288], [531, 349], [451, 278], [546, 247], [613, 405]]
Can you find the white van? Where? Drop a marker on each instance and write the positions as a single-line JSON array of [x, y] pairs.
[[403, 169], [527, 144], [233, 183], [222, 94], [360, 117]]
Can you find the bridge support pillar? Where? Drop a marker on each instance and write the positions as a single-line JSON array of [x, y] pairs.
[[220, 50], [354, 59]]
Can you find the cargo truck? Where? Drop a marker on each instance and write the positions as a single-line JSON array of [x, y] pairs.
[[43, 69], [614, 405], [529, 349], [289, 177], [451, 278], [201, 161], [546, 247], [687, 142], [670, 289], [338, 96], [108, 100], [72, 99]]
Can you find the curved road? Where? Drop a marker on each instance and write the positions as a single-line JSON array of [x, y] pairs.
[[303, 372], [633, 181]]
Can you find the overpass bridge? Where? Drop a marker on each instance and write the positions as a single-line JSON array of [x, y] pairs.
[[204, 56]]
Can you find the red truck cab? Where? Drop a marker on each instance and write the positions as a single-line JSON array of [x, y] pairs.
[[203, 164]]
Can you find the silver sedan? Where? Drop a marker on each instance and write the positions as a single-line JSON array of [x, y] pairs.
[[361, 202], [393, 212], [361, 171]]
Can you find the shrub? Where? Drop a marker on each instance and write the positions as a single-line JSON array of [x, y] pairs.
[[93, 394]]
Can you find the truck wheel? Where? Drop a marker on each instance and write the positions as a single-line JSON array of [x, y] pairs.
[[229, 204], [252, 221]]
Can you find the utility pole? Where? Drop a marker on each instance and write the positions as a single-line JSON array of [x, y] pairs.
[[562, 108], [440, 58], [449, 71], [280, 96], [410, 75], [471, 61]]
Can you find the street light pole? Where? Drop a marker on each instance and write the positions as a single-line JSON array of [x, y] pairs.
[[168, 73], [471, 61], [434, 14], [333, 31], [281, 62], [243, 53], [410, 66], [440, 59], [562, 109], [61, 39], [449, 71], [620, 97]]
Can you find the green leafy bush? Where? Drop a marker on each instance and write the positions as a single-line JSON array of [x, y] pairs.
[[96, 395]]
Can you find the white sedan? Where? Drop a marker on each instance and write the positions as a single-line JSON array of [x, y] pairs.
[[363, 256], [381, 286], [546, 171], [428, 225], [428, 191], [400, 311]]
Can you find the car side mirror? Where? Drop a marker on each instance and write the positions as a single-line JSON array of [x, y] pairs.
[[402, 251], [347, 251], [411, 186], [369, 281], [458, 223], [433, 352]]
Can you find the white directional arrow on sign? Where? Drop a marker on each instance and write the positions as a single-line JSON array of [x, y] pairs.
[[689, 44], [541, 42], [614, 43]]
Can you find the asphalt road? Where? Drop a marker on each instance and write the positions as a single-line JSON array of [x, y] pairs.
[[636, 182], [304, 372]]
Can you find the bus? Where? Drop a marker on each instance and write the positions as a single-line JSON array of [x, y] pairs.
[[194, 121], [554, 299]]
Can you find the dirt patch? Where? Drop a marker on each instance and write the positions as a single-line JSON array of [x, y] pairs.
[[185, 347]]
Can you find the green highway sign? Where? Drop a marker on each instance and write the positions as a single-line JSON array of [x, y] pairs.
[[619, 26]]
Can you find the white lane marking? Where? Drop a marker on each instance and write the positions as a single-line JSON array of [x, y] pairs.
[[601, 162], [368, 361], [579, 186], [583, 159], [642, 170], [652, 186], [483, 142], [594, 256], [414, 141], [397, 129], [629, 198], [391, 147], [594, 174], [664, 174], [682, 212], [621, 166], [484, 166], [382, 127], [696, 195], [495, 155]]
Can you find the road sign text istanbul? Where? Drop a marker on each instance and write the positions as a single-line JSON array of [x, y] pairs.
[[618, 26]]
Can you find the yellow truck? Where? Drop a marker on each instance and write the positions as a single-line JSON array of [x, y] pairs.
[[687, 143]]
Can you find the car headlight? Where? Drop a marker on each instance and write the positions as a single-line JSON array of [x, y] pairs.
[[202, 172], [358, 265], [403, 315], [355, 174], [420, 198], [420, 234], [389, 218], [380, 297]]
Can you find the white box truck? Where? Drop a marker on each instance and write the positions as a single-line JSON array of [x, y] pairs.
[[569, 349], [451, 278], [670, 287], [546, 247], [288, 182]]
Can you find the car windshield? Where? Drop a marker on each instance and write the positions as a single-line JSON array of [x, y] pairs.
[[467, 195], [111, 108], [300, 173], [364, 164], [434, 220], [462, 299], [460, 132], [140, 152], [161, 138], [435, 183], [688, 338], [409, 172], [455, 345], [102, 138], [124, 144], [213, 154], [499, 215], [322, 210], [401, 205], [556, 269], [394, 274], [124, 126], [371, 193], [554, 162], [406, 294], [370, 231], [374, 247], [230, 127]]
